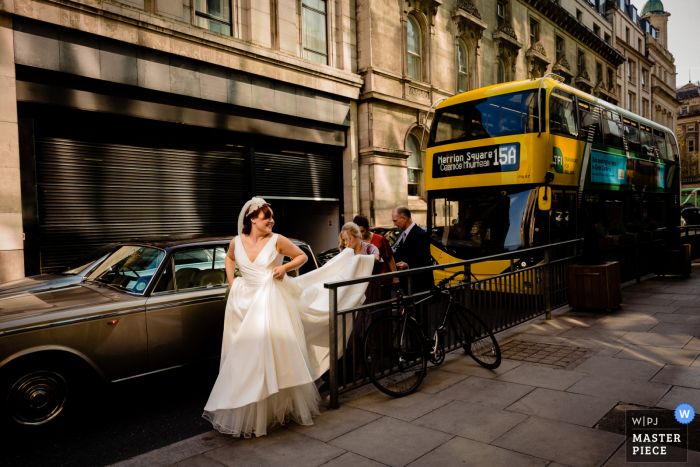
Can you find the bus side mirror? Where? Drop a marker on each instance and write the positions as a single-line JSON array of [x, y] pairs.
[[544, 198]]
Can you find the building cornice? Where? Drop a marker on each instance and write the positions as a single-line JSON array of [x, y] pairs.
[[566, 21], [180, 31], [663, 93]]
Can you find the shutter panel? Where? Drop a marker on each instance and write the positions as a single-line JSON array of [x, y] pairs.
[[91, 194], [296, 176]]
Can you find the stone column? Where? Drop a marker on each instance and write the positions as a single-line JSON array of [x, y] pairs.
[[351, 186], [11, 245]]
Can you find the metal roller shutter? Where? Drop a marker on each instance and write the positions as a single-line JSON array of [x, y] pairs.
[[91, 194], [296, 176]]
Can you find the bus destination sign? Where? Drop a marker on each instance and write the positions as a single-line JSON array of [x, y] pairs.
[[472, 161]]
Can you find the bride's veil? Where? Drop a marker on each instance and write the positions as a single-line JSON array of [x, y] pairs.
[[253, 203]]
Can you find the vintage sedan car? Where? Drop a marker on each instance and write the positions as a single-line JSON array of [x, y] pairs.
[[74, 273], [150, 306]]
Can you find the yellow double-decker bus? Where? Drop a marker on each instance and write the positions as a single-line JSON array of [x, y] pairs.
[[523, 164]]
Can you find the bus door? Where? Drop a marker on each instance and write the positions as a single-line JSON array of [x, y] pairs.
[[564, 134]]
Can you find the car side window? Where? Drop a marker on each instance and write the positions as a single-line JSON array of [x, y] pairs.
[[196, 268]]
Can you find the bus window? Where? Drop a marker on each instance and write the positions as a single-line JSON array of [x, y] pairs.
[[632, 135], [612, 126], [661, 146], [589, 116], [562, 118], [647, 141], [505, 115], [671, 142]]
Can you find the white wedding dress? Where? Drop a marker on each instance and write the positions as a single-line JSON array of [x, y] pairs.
[[275, 342]]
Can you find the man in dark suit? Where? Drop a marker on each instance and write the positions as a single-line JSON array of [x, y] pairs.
[[412, 250]]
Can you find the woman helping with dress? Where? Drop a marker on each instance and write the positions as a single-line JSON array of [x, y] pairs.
[[268, 367]]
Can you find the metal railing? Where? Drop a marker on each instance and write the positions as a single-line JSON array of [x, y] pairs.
[[502, 301]]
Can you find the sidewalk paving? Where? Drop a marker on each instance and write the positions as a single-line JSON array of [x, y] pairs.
[[521, 414]]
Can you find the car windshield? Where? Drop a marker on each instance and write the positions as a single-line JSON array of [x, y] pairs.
[[129, 268], [80, 265], [474, 224]]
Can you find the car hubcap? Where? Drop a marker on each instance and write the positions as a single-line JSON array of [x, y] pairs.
[[37, 397]]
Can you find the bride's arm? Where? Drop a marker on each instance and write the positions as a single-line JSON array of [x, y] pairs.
[[287, 248], [230, 263]]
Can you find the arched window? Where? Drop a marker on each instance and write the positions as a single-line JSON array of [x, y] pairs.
[[414, 49], [501, 72], [462, 63], [415, 168]]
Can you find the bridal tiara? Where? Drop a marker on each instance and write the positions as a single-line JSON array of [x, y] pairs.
[[256, 203]]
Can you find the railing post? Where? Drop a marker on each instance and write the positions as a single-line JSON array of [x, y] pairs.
[[409, 286], [468, 288], [546, 288], [638, 266], [333, 347]]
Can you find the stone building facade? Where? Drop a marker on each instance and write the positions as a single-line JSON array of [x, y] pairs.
[[133, 118], [688, 129]]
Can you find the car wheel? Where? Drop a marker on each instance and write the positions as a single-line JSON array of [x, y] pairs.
[[37, 397], [37, 394]]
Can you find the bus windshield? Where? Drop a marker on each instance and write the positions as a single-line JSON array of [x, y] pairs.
[[474, 223], [509, 114]]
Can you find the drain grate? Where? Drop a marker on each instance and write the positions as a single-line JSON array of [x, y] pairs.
[[560, 356]]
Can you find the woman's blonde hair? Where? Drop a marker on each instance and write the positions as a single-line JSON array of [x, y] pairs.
[[351, 229]]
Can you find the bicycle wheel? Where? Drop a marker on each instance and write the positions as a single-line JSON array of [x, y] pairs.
[[394, 360], [475, 337]]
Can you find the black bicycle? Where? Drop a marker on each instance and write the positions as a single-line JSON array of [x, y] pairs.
[[397, 352]]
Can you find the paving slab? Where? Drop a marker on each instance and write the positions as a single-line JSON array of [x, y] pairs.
[[621, 368], [689, 289], [694, 344], [654, 308], [678, 318], [627, 324], [437, 380], [605, 335], [688, 310], [619, 460], [646, 300], [567, 320], [660, 355], [542, 377], [179, 451], [404, 408], [677, 328], [391, 441], [548, 328], [538, 338], [676, 296], [621, 389], [679, 376], [333, 423], [566, 407], [198, 461], [279, 447], [602, 349], [487, 392], [656, 339], [565, 443], [471, 421], [679, 395], [350, 459], [467, 366], [465, 452]]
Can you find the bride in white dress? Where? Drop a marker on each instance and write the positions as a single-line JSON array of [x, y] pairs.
[[275, 342]]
